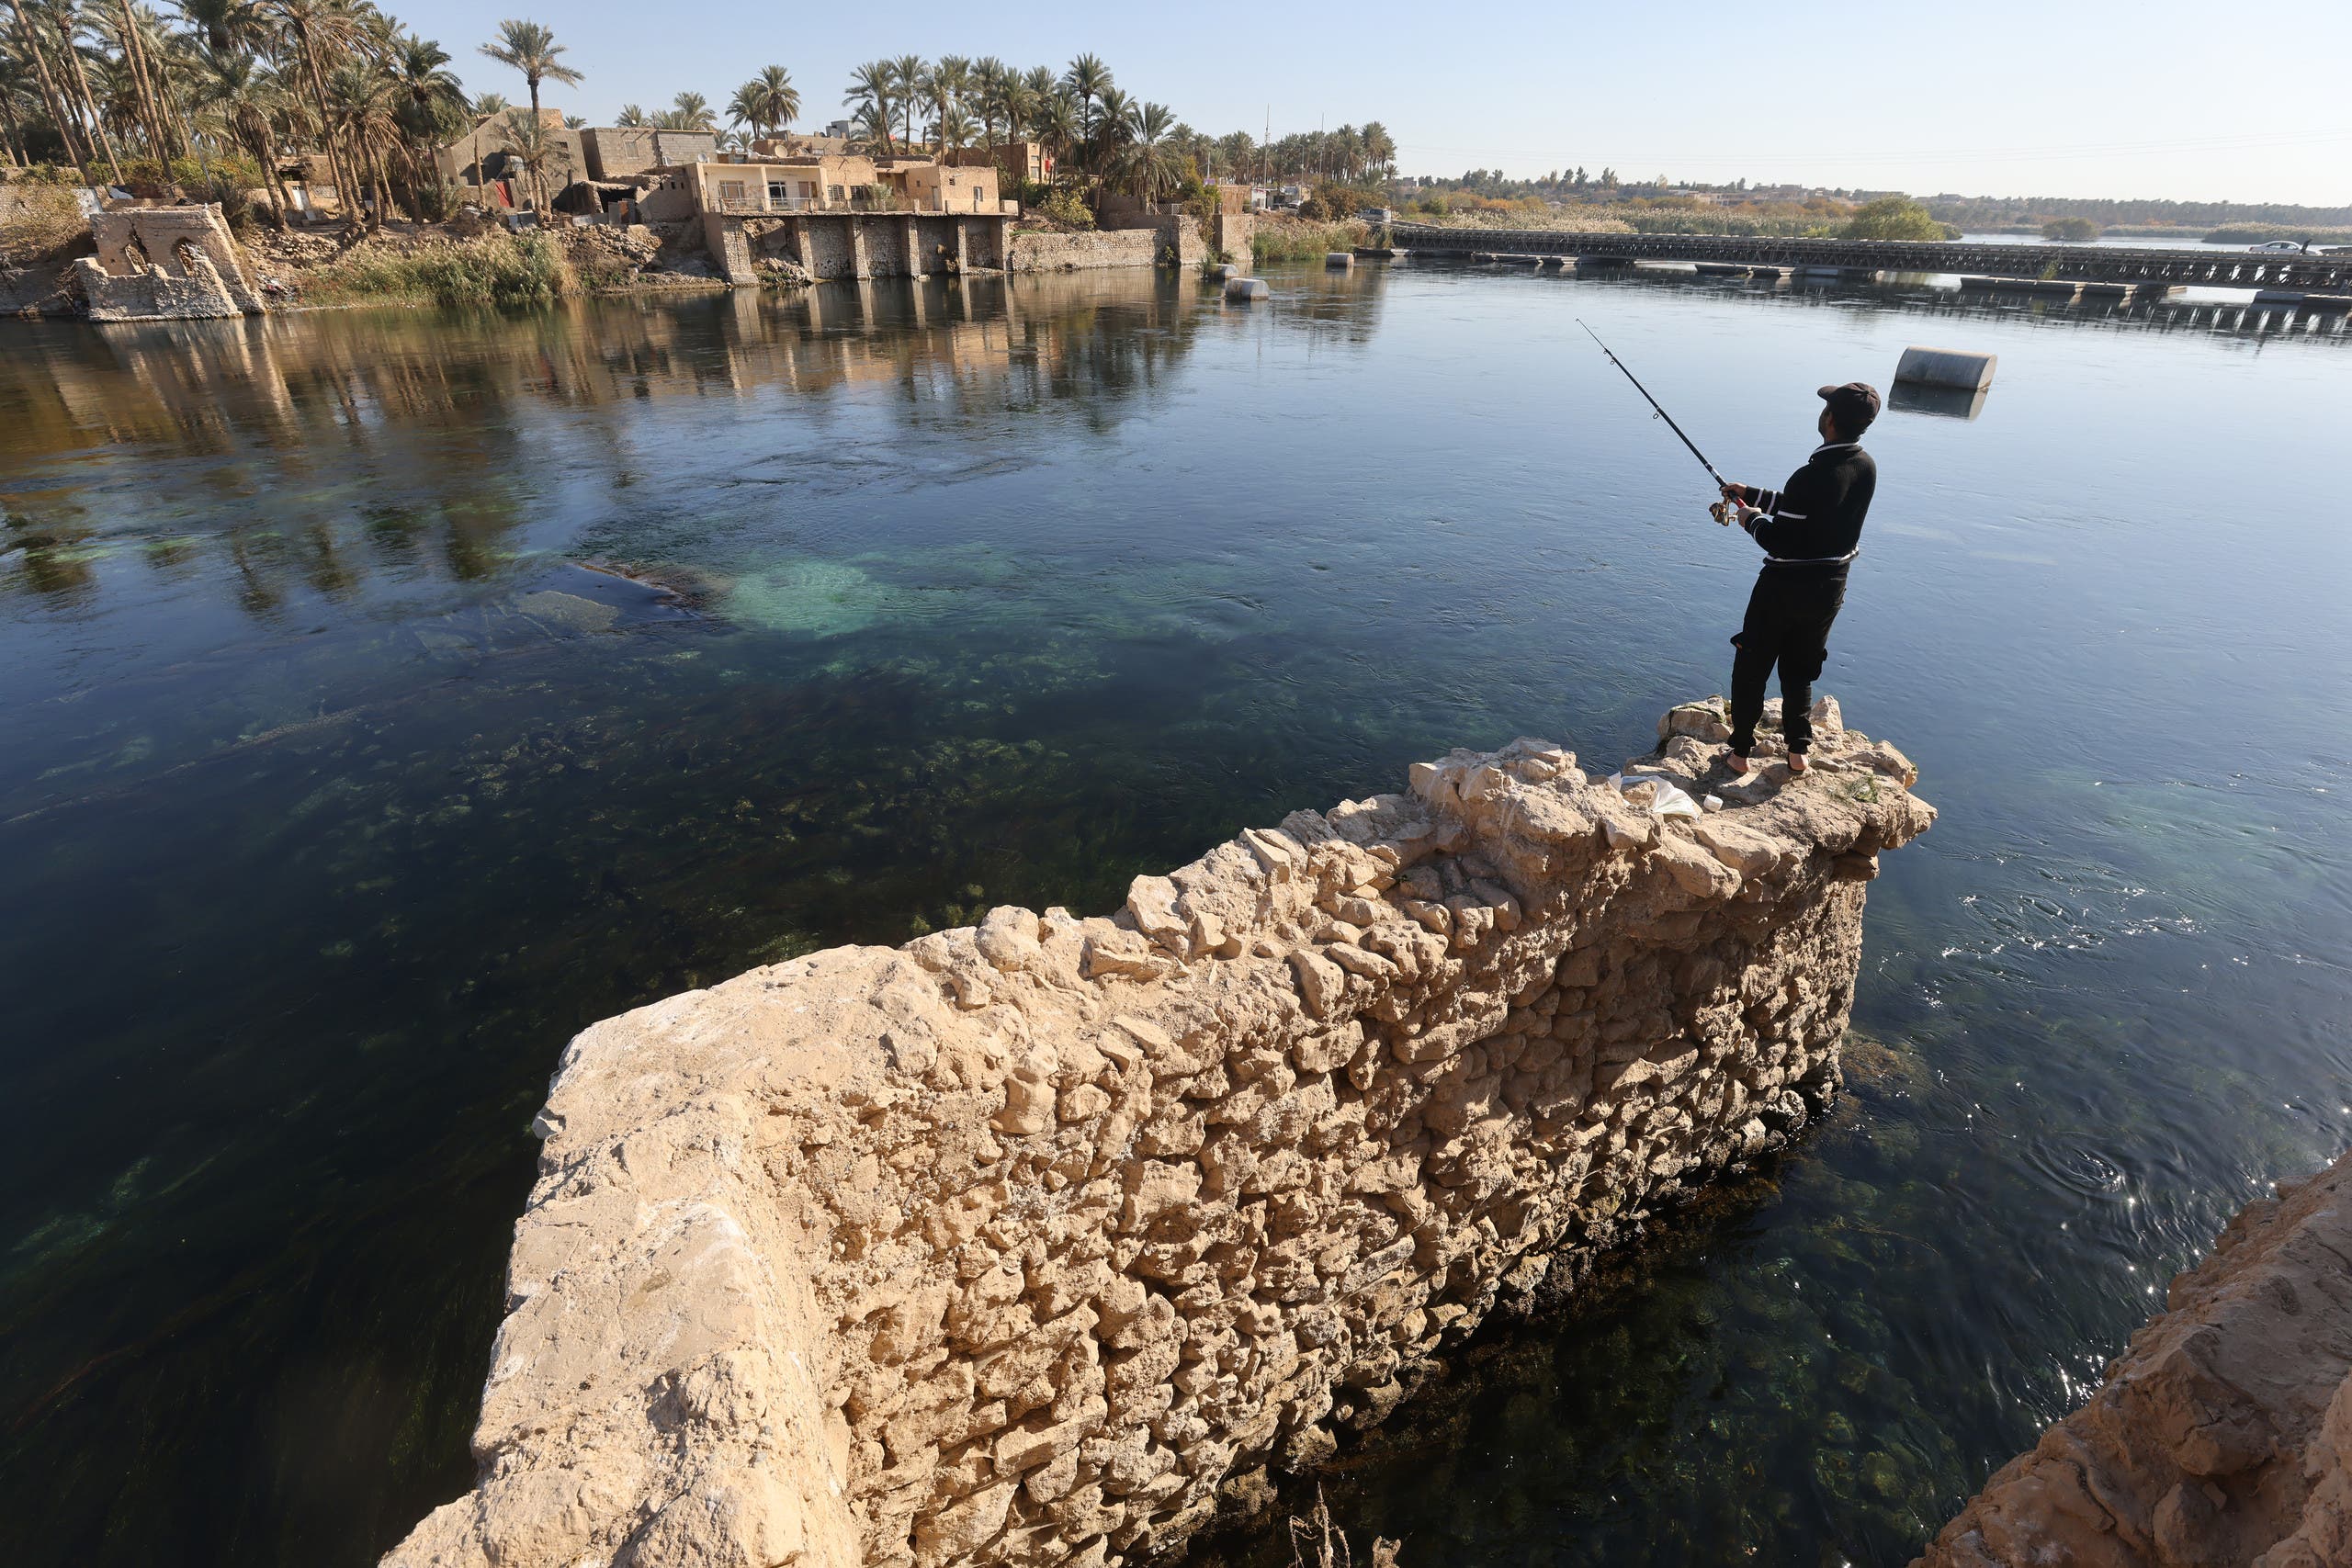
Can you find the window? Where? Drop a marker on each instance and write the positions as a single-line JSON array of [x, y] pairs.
[[730, 190], [779, 192], [807, 190]]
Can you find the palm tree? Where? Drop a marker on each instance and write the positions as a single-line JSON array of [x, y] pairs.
[[907, 75], [1150, 156], [314, 25], [1113, 108], [15, 100], [239, 100], [430, 107], [67, 20], [690, 111], [1088, 79], [529, 142], [872, 123], [942, 88], [52, 96], [133, 88], [954, 128], [531, 48], [632, 116], [1055, 122], [361, 106], [872, 87], [767, 103]]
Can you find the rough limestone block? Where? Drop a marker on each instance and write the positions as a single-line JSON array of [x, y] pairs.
[[2222, 1435], [1245, 289], [1014, 1244]]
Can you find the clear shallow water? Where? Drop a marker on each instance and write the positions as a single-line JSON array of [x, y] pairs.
[[336, 791]]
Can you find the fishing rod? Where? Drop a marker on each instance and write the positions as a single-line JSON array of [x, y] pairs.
[[1721, 483]]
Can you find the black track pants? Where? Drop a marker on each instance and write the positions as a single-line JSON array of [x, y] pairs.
[[1788, 625]]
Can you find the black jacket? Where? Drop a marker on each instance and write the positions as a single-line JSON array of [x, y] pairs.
[[1814, 524]]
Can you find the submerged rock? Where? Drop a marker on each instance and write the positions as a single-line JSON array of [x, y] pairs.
[[1019, 1243], [2223, 1435]]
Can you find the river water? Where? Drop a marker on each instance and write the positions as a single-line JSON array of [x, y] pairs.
[[346, 769]]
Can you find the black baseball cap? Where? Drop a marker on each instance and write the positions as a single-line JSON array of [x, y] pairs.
[[1853, 405]]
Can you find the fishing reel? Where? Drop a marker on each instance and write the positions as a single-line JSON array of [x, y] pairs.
[[1725, 512]]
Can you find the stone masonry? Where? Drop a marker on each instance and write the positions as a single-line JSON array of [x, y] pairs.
[[2221, 1437], [1015, 1243], [164, 263]]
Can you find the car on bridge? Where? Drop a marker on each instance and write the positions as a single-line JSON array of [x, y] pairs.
[[2280, 247]]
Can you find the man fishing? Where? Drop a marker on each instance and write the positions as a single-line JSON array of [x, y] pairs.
[[1811, 529]]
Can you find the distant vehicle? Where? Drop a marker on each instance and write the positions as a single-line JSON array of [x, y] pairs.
[[2279, 247], [1381, 216]]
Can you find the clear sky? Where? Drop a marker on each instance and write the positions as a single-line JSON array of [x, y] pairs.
[[2003, 97]]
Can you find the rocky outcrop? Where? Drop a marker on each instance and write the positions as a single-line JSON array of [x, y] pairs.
[[2221, 1437], [1016, 1243]]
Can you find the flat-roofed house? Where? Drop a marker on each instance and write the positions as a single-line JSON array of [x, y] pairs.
[[836, 182], [935, 188], [617, 152]]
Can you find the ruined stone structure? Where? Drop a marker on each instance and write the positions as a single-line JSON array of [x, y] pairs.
[[830, 245], [164, 263], [1016, 1243], [2221, 1437], [1171, 240]]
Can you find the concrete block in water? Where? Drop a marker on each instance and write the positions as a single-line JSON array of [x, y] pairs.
[[1338, 261], [1947, 368], [1245, 289]]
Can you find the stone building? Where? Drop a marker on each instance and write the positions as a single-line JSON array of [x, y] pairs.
[[1023, 160], [480, 167], [619, 152]]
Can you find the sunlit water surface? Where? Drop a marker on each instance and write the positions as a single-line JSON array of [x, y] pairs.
[[344, 776]]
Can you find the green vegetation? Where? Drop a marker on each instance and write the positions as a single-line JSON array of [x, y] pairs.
[[2071, 230], [1063, 208], [1287, 240], [497, 271], [1894, 218], [2261, 233]]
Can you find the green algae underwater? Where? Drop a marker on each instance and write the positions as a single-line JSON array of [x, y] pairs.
[[390, 694]]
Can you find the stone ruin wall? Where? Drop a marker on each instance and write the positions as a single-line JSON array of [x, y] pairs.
[[190, 270], [2221, 1438], [1017, 1243]]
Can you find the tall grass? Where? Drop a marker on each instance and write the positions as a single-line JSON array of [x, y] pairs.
[[39, 223], [496, 271], [1296, 240]]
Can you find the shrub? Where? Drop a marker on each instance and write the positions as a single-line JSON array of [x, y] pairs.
[[2070, 231], [1280, 240], [42, 221], [500, 271], [1063, 208], [1894, 218]]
